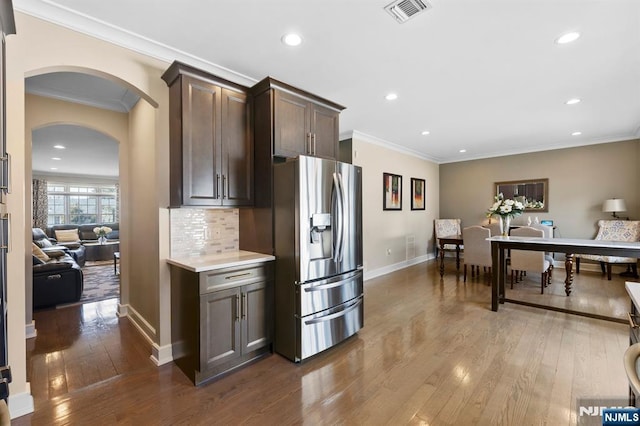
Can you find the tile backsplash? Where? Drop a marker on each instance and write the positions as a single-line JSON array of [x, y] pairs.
[[197, 232]]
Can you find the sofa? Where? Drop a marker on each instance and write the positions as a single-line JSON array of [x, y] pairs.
[[85, 231], [57, 278], [42, 240]]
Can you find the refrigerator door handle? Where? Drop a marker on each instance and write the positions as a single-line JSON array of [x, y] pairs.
[[343, 218], [341, 313], [337, 255], [331, 282]]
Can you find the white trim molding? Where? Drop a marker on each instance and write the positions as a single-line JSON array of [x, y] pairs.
[[397, 266], [386, 144], [21, 404]]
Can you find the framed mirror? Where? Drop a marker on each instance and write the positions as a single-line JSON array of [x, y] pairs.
[[533, 193]]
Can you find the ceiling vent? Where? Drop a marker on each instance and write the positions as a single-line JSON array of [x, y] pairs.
[[403, 10]]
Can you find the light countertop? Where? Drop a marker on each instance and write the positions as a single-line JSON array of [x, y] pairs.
[[219, 261], [634, 292]]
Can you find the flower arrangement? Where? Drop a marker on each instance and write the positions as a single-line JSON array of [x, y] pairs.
[[505, 207], [535, 204], [102, 231]]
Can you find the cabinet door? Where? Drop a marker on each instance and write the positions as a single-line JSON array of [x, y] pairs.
[[237, 150], [324, 131], [201, 162], [291, 125], [256, 314], [219, 327]]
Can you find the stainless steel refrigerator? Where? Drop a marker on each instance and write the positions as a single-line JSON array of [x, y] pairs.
[[318, 248]]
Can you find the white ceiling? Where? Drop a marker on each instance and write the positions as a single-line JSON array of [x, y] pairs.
[[485, 76], [87, 152]]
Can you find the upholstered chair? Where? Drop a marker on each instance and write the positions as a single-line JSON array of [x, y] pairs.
[[495, 228], [527, 260], [445, 228], [477, 250], [548, 233], [614, 230]]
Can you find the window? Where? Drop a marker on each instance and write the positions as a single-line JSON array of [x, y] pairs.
[[71, 203]]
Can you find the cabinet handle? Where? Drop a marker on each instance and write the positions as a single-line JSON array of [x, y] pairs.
[[308, 143], [224, 183], [244, 305], [313, 143], [6, 174], [632, 323], [230, 277], [217, 185], [237, 308], [5, 241]]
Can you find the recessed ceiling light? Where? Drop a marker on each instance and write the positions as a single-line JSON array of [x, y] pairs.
[[56, 158], [54, 168], [573, 101], [568, 37], [391, 96], [425, 133], [576, 133], [59, 147], [291, 39], [462, 151]]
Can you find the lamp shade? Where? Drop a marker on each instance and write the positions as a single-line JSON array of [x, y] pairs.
[[614, 205]]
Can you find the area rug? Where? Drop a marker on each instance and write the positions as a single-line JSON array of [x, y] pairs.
[[100, 282]]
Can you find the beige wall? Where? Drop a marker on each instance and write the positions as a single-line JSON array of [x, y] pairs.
[[388, 230], [42, 47], [580, 179]]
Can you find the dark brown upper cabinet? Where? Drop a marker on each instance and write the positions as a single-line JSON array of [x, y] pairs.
[[302, 123], [211, 145]]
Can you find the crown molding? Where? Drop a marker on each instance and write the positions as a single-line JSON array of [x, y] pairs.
[[50, 11], [355, 134], [543, 148]]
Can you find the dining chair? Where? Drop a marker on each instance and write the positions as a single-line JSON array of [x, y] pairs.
[[548, 233], [495, 228], [445, 228], [477, 250], [526, 260]]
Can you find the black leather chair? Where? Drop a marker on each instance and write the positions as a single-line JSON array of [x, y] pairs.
[[57, 281]]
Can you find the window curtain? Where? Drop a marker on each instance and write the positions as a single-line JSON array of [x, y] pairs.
[[40, 204]]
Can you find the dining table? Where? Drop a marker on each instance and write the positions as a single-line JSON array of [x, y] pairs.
[[569, 246], [453, 240]]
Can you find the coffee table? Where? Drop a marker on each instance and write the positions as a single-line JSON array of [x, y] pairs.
[[97, 251]]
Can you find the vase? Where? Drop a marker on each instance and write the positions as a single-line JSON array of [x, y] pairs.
[[505, 223], [102, 240]]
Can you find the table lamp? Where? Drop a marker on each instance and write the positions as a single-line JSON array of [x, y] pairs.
[[613, 206]]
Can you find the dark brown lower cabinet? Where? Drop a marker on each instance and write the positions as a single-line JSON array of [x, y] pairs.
[[221, 320]]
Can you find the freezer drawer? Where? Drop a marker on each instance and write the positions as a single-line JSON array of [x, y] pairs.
[[319, 295], [326, 329]]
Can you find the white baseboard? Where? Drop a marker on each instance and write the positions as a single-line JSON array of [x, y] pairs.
[[21, 404], [161, 354], [30, 330], [397, 266]]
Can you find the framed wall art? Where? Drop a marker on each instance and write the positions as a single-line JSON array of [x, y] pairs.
[[418, 194], [391, 191]]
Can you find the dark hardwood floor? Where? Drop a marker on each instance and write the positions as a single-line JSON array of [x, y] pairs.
[[431, 352]]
